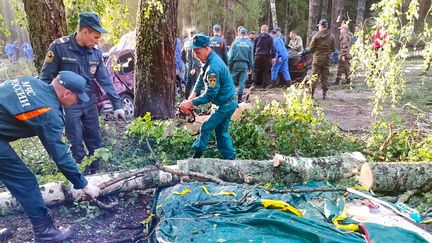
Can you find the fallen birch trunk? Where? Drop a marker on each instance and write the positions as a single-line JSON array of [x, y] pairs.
[[281, 169], [55, 193], [396, 177]]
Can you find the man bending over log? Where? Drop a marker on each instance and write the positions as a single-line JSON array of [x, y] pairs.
[[30, 107]]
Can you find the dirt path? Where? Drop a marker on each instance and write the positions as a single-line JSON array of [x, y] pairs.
[[349, 105]]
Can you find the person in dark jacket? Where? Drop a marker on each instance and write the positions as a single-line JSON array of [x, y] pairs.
[[264, 52], [192, 63], [30, 107], [322, 44], [79, 53], [218, 44]]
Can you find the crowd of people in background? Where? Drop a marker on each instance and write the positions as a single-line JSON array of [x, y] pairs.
[[263, 58], [14, 51], [260, 58]]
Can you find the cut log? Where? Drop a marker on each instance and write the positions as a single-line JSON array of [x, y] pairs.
[[289, 170], [55, 193], [396, 177]]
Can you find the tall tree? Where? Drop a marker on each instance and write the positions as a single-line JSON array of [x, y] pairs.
[[337, 16], [325, 6], [314, 14], [424, 9], [155, 69], [50, 25], [287, 19], [361, 5], [273, 13]]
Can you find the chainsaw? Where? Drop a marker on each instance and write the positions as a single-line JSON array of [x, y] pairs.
[[187, 115]]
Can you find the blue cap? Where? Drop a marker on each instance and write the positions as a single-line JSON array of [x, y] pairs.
[[217, 27], [199, 41], [243, 31], [277, 29], [75, 83], [91, 20]]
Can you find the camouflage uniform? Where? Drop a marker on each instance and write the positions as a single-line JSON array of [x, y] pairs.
[[345, 43], [322, 44]]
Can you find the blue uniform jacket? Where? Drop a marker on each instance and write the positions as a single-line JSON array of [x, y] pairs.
[[241, 51], [30, 107], [218, 44], [217, 81], [64, 54], [280, 49]]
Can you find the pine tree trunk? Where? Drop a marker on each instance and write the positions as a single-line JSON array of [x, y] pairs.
[[361, 5], [324, 9], [425, 6], [281, 169], [313, 20], [155, 69], [47, 22], [396, 177], [287, 21], [337, 15], [273, 13]]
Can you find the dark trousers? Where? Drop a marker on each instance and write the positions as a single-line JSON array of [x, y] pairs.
[[191, 80], [219, 121], [261, 72], [21, 182], [82, 124], [320, 72]]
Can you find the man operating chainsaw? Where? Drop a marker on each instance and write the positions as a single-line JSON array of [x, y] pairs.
[[219, 89]]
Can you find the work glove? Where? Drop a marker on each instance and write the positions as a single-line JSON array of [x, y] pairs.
[[91, 191], [119, 113]]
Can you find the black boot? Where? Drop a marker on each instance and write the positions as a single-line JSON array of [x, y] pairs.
[[240, 98], [324, 95], [197, 155], [44, 230]]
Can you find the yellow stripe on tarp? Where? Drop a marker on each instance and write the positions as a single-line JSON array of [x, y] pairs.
[[341, 217], [221, 193], [281, 205]]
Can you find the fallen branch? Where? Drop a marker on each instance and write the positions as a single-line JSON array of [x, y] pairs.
[[181, 172], [307, 190]]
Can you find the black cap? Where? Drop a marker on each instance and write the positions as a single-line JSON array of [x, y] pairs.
[[323, 22]]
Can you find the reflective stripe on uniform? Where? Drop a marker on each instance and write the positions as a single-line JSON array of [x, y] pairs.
[[31, 114]]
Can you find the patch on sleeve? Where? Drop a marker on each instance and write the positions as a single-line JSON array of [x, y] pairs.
[[49, 57], [211, 78]]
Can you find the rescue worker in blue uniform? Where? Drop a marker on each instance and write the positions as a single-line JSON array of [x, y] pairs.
[[280, 61], [218, 44], [219, 90], [30, 107], [79, 53], [240, 60]]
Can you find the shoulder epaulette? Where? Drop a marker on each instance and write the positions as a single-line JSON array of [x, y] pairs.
[[62, 40]]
